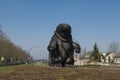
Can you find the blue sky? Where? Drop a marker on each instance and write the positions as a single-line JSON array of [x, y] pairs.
[[32, 22]]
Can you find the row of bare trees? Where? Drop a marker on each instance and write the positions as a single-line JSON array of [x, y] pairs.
[[9, 52], [113, 47]]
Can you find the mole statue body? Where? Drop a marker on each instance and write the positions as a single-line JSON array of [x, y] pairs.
[[61, 47]]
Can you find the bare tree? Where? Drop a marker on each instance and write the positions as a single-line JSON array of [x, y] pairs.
[[2, 34], [113, 47], [9, 50], [83, 51]]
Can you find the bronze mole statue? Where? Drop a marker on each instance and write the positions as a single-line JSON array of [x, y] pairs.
[[61, 47]]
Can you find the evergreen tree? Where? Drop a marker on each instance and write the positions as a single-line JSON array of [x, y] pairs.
[[95, 56]]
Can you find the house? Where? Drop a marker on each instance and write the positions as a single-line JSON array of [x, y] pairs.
[[85, 59], [117, 58], [109, 57], [2, 59], [103, 56], [77, 60], [80, 62]]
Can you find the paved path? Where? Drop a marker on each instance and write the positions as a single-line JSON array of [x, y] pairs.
[[41, 64]]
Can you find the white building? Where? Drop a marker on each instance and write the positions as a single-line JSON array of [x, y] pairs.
[[117, 58]]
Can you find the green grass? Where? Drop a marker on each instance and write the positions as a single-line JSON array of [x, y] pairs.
[[8, 69]]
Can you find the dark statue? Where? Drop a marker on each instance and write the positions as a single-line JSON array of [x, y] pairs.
[[61, 47]]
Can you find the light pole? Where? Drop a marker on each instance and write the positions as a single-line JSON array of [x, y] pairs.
[[31, 49]]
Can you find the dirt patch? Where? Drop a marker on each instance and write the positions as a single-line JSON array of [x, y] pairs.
[[55, 73]]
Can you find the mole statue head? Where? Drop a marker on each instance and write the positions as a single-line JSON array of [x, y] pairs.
[[64, 30]]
